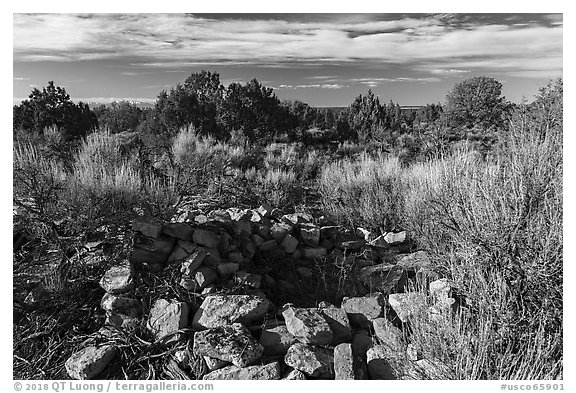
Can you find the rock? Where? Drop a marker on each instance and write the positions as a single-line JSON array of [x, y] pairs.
[[178, 230], [220, 310], [205, 276], [166, 317], [441, 291], [209, 290], [406, 304], [276, 213], [118, 279], [330, 233], [242, 228], [122, 322], [348, 366], [395, 238], [239, 214], [361, 343], [382, 278], [415, 261], [307, 325], [362, 310], [212, 257], [327, 244], [304, 273], [268, 245], [178, 253], [311, 360], [261, 230], [276, 339], [279, 230], [236, 257], [268, 371], [257, 239], [338, 321], [121, 305], [227, 269], [193, 262], [294, 375], [313, 253], [265, 210], [352, 245], [189, 247], [378, 365], [206, 238], [215, 364], [149, 227], [152, 252], [231, 343], [90, 361], [249, 279], [289, 244], [182, 358], [310, 235], [412, 353], [388, 334]]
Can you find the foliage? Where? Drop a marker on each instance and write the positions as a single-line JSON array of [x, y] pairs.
[[52, 107], [120, 116], [476, 102]]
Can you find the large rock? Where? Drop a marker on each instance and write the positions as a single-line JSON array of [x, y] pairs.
[[395, 238], [206, 238], [388, 335], [149, 227], [152, 252], [361, 343], [310, 235], [279, 230], [249, 279], [308, 325], [339, 324], [276, 339], [348, 365], [415, 261], [90, 361], [362, 310], [314, 252], [118, 279], [179, 230], [311, 360], [382, 278], [268, 371], [215, 364], [406, 304], [220, 310], [379, 366], [294, 375], [166, 317], [205, 276], [227, 269], [193, 262], [121, 305], [232, 343], [289, 244]]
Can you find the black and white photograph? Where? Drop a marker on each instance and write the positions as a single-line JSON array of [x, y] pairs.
[[287, 196]]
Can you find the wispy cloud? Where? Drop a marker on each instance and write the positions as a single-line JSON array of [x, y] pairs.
[[20, 78], [427, 43]]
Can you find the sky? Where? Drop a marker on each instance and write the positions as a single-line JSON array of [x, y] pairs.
[[321, 59]]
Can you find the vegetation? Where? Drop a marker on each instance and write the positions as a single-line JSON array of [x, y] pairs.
[[477, 182]]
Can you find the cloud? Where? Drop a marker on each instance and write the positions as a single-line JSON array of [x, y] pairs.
[[20, 78], [167, 41]]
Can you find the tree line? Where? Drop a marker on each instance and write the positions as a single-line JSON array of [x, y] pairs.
[[256, 113]]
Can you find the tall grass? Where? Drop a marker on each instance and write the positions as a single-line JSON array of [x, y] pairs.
[[495, 227]]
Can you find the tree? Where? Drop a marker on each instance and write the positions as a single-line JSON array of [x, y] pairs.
[[476, 103], [53, 107], [365, 117], [119, 116]]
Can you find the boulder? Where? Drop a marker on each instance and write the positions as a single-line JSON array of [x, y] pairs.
[[362, 310], [231, 343], [331, 233], [310, 235], [152, 252], [221, 310], [307, 325], [242, 228], [379, 366], [227, 269], [268, 371], [388, 335], [249, 279], [178, 230], [361, 343], [118, 279], [149, 227], [166, 317], [294, 375], [215, 364], [289, 244], [276, 339], [193, 262], [261, 230], [236, 257], [313, 253], [395, 238], [347, 365], [382, 278], [406, 304], [205, 276], [313, 361], [268, 245], [206, 238], [90, 361], [188, 246], [415, 261], [339, 324], [279, 230], [121, 305], [178, 253]]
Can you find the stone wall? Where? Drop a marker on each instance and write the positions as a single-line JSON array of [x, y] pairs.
[[241, 333]]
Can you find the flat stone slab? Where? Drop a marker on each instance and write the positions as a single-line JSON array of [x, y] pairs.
[[232, 343], [118, 279], [166, 317], [308, 325], [406, 304], [362, 310], [90, 361], [268, 371], [221, 310], [276, 339], [313, 361]]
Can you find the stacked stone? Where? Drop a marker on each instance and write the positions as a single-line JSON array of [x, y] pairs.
[[239, 336]]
